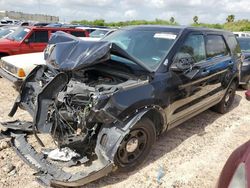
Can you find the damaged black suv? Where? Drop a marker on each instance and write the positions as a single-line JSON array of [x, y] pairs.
[[107, 101]]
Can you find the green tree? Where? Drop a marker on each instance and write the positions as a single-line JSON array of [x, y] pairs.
[[230, 18], [196, 19], [172, 20]]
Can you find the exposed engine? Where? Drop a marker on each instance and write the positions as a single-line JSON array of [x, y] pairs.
[[70, 113]]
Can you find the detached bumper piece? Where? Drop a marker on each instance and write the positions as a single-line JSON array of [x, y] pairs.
[[50, 174]]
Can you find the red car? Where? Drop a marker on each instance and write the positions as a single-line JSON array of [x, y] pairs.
[[236, 172], [32, 39]]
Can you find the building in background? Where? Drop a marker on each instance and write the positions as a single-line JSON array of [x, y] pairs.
[[28, 17]]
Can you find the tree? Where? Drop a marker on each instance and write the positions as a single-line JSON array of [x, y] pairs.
[[230, 18], [172, 20], [195, 19]]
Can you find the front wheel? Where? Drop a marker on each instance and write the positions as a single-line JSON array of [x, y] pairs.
[[135, 146], [227, 101]]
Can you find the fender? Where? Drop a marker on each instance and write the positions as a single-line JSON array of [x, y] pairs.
[[110, 136]]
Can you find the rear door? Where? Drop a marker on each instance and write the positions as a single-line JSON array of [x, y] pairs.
[[219, 63]]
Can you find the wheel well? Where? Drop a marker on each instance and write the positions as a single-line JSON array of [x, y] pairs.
[[156, 117]]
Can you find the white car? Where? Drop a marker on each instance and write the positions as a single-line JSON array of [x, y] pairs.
[[242, 34], [15, 68]]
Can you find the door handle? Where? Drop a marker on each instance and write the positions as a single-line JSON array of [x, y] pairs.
[[205, 72]]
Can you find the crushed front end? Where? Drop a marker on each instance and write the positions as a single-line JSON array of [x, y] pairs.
[[72, 103]]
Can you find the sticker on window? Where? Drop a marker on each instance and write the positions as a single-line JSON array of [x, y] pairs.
[[27, 30], [165, 36]]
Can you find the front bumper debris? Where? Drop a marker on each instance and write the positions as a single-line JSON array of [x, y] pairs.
[[50, 174]]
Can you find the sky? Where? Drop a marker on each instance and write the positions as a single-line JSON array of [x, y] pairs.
[[208, 11]]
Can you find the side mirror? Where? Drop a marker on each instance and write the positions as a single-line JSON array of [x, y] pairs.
[[26, 41], [185, 63], [182, 62]]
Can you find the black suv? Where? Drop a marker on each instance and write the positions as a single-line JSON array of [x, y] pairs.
[[109, 100]]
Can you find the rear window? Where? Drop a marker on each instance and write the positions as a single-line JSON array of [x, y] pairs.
[[78, 33], [216, 46]]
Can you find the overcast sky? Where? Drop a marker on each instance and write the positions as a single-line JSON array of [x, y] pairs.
[[209, 11]]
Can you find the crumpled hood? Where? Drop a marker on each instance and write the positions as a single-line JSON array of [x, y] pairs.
[[66, 52]]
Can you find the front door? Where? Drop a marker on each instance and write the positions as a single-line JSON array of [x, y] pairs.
[[36, 42]]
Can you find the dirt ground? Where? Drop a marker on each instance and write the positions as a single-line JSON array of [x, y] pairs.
[[191, 155]]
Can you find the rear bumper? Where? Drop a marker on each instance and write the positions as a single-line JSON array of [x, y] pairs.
[[16, 81]]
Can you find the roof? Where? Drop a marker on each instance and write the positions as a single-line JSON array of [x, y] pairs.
[[171, 28], [54, 28]]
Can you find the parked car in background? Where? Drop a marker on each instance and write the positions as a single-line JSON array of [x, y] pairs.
[[98, 34], [242, 34], [109, 100], [15, 68], [91, 29], [101, 33], [7, 30], [245, 69], [41, 24], [32, 39], [236, 172]]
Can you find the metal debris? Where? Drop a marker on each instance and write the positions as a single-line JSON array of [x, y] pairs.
[[64, 154]]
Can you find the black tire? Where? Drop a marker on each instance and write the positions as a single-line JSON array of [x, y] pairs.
[[227, 101], [144, 132]]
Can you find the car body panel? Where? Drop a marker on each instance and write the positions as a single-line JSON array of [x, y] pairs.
[[245, 69], [11, 47], [93, 102]]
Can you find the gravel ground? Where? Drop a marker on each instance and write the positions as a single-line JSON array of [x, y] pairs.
[[190, 155]]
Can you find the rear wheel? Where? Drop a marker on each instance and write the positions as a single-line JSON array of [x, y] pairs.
[[136, 146], [227, 101]]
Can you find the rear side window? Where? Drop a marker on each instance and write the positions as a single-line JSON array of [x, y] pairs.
[[216, 46], [78, 33], [39, 37], [233, 45]]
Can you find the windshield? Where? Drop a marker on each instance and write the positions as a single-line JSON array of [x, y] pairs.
[[244, 44], [19, 34], [98, 33], [5, 32], [150, 47]]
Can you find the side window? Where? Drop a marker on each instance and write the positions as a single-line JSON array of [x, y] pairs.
[[194, 47], [39, 36], [216, 46], [78, 33], [233, 44]]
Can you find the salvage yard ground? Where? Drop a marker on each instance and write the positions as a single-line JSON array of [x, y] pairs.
[[191, 155]]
